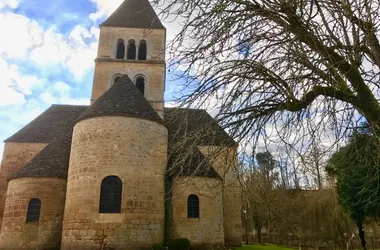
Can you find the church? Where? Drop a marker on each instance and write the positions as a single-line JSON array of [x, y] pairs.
[[124, 172]]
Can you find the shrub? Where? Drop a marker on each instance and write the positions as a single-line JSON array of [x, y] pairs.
[[158, 247], [178, 244]]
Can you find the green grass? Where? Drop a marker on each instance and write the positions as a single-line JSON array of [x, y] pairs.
[[263, 247]]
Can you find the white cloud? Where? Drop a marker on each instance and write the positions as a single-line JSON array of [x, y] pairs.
[[48, 48], [19, 34], [73, 53], [61, 87], [104, 7], [13, 4]]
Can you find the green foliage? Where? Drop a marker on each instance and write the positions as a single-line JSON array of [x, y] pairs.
[[356, 168], [265, 161], [158, 247], [178, 244]]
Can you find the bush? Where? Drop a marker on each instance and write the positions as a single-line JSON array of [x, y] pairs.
[[178, 244], [158, 247]]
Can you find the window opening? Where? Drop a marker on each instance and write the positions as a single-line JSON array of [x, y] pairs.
[[120, 49], [140, 84], [110, 195], [34, 210], [131, 53], [193, 206], [142, 50]]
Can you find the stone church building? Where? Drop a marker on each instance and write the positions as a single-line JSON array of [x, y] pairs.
[[124, 172]]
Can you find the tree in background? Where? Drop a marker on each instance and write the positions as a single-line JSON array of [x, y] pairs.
[[266, 204], [314, 164], [352, 166], [277, 209]]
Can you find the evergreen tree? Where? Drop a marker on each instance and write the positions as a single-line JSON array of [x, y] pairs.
[[356, 169]]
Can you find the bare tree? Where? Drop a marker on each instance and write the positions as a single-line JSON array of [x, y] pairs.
[[314, 164], [278, 62]]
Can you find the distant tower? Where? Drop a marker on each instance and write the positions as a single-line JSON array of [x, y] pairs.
[[132, 42]]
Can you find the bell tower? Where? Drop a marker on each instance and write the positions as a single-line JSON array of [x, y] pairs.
[[132, 42]]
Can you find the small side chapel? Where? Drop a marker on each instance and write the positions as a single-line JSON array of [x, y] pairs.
[[124, 172]]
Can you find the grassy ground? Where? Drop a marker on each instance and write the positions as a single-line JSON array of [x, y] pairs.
[[263, 247]]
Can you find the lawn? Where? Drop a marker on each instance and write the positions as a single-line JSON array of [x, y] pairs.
[[263, 247]]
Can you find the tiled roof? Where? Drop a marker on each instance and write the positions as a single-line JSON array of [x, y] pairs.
[[56, 121], [52, 161], [189, 162], [195, 126], [122, 99], [134, 14], [188, 128]]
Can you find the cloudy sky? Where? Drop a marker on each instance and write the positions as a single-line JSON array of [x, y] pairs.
[[47, 52]]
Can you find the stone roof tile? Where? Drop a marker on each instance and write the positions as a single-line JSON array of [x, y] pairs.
[[52, 161], [188, 128], [134, 14], [56, 121], [122, 99], [195, 126]]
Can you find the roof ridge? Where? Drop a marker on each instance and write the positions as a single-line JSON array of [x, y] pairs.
[[69, 105]]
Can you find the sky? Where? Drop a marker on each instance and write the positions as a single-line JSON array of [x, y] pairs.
[[47, 52]]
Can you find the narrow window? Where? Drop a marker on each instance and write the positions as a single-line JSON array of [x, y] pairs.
[[131, 54], [115, 78], [120, 49], [110, 195], [142, 50], [34, 209], [193, 206], [140, 84]]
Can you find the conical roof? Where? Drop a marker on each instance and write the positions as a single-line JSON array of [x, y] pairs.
[[134, 14], [122, 99]]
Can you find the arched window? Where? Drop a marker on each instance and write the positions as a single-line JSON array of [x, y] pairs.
[[142, 50], [131, 53], [115, 78], [34, 209], [120, 49], [110, 195], [193, 206], [140, 84]]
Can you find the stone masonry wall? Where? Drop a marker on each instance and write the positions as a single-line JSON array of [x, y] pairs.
[[16, 233], [133, 149], [15, 156], [153, 69], [208, 228], [154, 74], [224, 161]]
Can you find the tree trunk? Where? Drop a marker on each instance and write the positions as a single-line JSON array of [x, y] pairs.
[[259, 235], [359, 224], [258, 226]]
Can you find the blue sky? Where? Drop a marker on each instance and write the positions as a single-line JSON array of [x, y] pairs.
[[47, 52]]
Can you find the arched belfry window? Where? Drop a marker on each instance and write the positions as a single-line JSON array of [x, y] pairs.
[[120, 49], [110, 195], [193, 206], [34, 210], [131, 51], [142, 50], [140, 84]]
